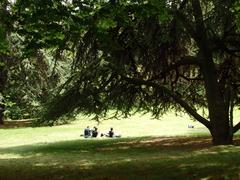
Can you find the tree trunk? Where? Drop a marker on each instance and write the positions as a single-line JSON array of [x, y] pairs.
[[219, 137], [217, 106], [220, 132]]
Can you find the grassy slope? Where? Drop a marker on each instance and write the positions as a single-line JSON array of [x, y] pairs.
[[60, 153]]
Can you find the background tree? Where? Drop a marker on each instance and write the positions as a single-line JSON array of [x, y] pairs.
[[30, 81], [150, 56], [5, 28], [25, 81]]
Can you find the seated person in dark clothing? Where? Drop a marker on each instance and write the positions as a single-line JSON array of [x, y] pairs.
[[111, 133], [94, 132], [87, 132]]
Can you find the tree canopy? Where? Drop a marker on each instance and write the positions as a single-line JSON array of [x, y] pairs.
[[140, 56]]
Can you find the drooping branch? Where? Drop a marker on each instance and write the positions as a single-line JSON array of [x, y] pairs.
[[183, 4], [174, 96], [186, 23], [186, 60], [191, 79]]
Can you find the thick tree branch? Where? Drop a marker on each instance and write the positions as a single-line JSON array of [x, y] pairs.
[[201, 34], [236, 127], [174, 96], [187, 24], [198, 33]]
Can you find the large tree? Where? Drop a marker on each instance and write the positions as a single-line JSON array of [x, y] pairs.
[[150, 56]]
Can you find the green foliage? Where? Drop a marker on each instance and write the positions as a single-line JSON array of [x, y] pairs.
[[30, 73], [14, 112], [2, 64], [236, 11], [5, 26], [30, 80], [129, 37], [106, 23], [4, 47], [126, 47], [29, 83]]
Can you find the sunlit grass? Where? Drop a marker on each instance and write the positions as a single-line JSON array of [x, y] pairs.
[[136, 126]]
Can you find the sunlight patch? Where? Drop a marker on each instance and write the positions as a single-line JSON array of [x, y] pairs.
[[44, 164], [219, 149], [11, 156], [127, 160], [87, 165]]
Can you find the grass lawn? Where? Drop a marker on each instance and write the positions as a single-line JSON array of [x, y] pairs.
[[149, 149]]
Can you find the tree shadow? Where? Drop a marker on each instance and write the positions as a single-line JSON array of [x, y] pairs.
[[124, 158], [116, 145]]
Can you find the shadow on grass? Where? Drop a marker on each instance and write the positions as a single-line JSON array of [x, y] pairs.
[[125, 158]]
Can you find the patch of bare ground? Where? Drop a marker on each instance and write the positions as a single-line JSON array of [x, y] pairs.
[[16, 123]]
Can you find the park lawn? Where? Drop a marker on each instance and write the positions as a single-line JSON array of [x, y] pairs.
[[149, 149], [124, 158], [136, 126]]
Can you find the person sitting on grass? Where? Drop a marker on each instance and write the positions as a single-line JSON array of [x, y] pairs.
[[94, 132], [111, 133], [87, 132]]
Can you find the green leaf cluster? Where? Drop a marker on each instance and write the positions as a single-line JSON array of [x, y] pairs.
[[236, 11], [4, 46]]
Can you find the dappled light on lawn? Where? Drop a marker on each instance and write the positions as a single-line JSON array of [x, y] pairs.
[[10, 156], [179, 142]]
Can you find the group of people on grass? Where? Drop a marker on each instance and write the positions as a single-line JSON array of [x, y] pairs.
[[94, 133]]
